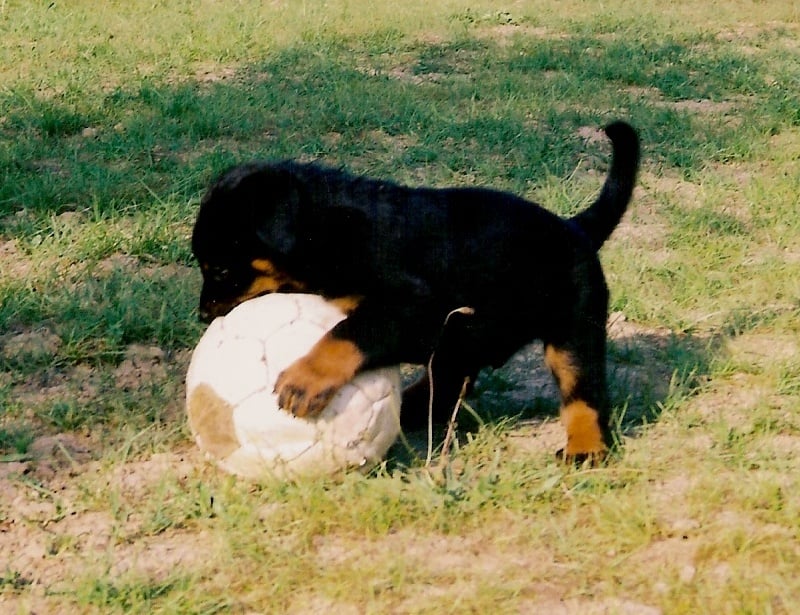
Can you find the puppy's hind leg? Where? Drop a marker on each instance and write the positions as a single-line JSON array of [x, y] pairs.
[[584, 410], [448, 381], [450, 367], [578, 363]]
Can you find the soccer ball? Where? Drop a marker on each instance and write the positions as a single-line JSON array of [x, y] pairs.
[[234, 415]]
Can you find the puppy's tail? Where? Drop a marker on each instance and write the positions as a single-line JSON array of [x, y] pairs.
[[601, 218]]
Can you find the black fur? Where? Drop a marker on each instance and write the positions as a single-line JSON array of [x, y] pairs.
[[412, 255]]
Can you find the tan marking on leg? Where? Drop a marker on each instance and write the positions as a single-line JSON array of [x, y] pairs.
[[564, 369], [211, 421], [308, 384], [584, 435]]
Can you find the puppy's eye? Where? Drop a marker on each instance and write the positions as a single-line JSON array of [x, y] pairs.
[[219, 274]]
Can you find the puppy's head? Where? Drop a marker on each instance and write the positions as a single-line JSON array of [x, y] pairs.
[[244, 235]]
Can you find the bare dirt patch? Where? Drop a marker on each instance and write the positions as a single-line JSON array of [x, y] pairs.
[[49, 538], [34, 343], [763, 348], [700, 106], [141, 365], [16, 264]]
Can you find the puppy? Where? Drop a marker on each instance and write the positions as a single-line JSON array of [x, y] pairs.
[[400, 260]]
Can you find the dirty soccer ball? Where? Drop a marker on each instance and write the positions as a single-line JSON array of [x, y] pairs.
[[234, 414]]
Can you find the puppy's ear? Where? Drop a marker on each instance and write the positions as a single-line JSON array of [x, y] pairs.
[[341, 224], [338, 240], [276, 222], [273, 196]]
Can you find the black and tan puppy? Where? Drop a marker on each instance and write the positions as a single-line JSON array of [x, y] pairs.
[[401, 259]]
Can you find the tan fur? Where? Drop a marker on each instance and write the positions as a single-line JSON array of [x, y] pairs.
[[309, 383], [584, 436], [269, 280], [563, 367], [346, 304]]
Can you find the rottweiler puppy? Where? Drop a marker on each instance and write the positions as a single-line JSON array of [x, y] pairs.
[[401, 261]]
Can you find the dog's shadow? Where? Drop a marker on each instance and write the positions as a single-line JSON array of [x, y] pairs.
[[649, 369]]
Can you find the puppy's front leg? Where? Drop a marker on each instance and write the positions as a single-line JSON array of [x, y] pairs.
[[307, 385], [375, 334]]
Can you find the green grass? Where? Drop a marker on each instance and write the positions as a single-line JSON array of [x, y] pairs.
[[114, 117]]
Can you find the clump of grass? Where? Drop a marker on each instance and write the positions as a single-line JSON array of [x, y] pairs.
[[14, 441]]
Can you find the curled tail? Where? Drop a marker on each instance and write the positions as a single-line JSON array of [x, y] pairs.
[[601, 218]]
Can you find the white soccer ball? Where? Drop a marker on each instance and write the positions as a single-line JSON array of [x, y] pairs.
[[234, 414]]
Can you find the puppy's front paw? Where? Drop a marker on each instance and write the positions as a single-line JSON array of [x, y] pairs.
[[302, 391], [307, 385]]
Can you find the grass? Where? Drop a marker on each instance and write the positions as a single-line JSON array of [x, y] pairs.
[[115, 117]]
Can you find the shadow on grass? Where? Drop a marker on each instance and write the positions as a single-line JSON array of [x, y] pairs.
[[650, 372], [329, 98]]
